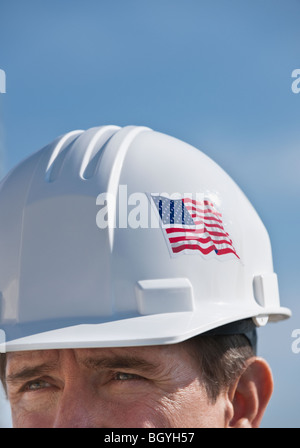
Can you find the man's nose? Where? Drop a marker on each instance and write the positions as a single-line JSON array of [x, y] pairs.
[[78, 409]]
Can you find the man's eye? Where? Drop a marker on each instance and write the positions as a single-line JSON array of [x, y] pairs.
[[122, 376], [37, 385]]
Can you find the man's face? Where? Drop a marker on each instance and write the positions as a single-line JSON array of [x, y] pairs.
[[111, 388]]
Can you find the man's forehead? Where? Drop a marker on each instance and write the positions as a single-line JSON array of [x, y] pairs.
[[31, 355], [38, 356]]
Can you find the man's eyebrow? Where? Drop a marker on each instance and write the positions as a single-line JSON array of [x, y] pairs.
[[121, 362], [27, 373], [94, 363]]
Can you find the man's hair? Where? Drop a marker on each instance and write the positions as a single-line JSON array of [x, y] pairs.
[[221, 360]]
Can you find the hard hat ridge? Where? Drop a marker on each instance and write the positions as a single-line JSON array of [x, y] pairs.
[[88, 148]]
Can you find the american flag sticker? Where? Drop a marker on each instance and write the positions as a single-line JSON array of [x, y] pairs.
[[192, 226]]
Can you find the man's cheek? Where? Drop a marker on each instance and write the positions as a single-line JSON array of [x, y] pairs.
[[21, 418], [149, 413]]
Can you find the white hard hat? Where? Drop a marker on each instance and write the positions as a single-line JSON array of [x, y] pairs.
[[117, 237]]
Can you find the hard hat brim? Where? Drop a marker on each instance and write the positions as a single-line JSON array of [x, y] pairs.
[[168, 328]]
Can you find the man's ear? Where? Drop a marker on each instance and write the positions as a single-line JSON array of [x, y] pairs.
[[250, 394]]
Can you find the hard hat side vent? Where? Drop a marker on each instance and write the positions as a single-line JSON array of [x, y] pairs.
[[159, 296]]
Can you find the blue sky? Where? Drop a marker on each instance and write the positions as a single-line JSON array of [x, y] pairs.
[[214, 73]]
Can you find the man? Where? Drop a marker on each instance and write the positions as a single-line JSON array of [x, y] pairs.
[[159, 386], [133, 273]]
